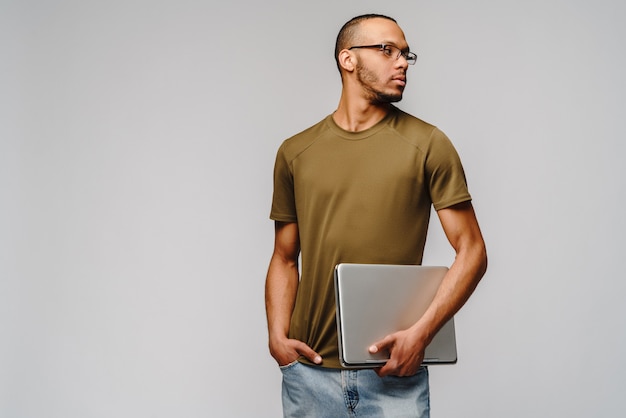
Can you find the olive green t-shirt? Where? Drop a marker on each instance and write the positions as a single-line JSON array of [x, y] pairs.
[[359, 197]]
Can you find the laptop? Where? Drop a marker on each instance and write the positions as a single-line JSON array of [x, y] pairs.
[[374, 300]]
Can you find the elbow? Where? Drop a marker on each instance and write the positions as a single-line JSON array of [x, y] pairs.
[[482, 260], [475, 259]]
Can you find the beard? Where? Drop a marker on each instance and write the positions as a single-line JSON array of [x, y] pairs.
[[368, 81]]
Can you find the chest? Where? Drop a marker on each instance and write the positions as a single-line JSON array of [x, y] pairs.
[[366, 166]]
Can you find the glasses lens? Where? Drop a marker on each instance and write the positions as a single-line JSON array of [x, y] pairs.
[[410, 57], [389, 50]]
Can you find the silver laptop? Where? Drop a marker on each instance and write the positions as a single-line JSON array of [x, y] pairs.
[[374, 300]]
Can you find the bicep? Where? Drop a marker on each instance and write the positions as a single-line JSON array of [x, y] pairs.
[[461, 226], [286, 241]]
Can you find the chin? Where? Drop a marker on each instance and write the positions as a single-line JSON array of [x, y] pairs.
[[388, 98]]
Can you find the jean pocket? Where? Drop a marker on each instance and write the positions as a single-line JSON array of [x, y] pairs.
[[288, 366]]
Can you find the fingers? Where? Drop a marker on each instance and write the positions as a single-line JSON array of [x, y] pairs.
[[383, 371], [382, 345], [290, 350], [394, 368], [308, 352]]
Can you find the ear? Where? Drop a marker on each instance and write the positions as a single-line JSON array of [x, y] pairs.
[[346, 60]]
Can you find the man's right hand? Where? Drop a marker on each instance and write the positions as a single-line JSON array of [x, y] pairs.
[[286, 351]]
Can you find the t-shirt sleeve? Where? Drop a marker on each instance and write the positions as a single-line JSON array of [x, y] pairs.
[[283, 200], [446, 177]]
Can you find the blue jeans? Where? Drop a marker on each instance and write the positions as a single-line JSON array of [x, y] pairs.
[[318, 392]]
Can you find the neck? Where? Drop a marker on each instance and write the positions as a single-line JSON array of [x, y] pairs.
[[357, 115]]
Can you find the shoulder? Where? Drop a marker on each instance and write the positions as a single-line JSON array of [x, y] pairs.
[[404, 122], [416, 131], [300, 142]]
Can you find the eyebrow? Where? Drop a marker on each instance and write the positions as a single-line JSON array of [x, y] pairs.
[[392, 43]]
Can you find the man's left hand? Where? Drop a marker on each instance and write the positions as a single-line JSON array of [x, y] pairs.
[[406, 353]]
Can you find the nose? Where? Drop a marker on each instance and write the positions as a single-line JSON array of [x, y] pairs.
[[402, 62]]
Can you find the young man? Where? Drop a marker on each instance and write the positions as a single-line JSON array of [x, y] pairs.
[[358, 187]]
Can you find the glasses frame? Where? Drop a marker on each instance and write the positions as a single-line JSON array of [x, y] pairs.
[[410, 57]]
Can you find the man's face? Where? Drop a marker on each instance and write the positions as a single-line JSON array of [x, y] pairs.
[[382, 77]]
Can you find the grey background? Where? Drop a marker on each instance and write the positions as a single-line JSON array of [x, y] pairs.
[[137, 141]]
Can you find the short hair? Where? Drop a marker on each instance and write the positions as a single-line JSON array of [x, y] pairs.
[[349, 31]]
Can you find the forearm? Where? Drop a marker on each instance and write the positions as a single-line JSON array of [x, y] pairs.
[[281, 286], [469, 266], [457, 286]]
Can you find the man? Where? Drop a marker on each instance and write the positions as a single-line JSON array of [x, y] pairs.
[[358, 187]]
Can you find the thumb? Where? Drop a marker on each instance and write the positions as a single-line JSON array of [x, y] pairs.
[[384, 344]]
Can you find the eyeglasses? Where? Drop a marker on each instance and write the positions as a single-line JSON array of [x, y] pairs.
[[391, 52]]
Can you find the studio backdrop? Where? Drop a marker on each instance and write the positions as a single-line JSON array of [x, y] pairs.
[[137, 142]]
